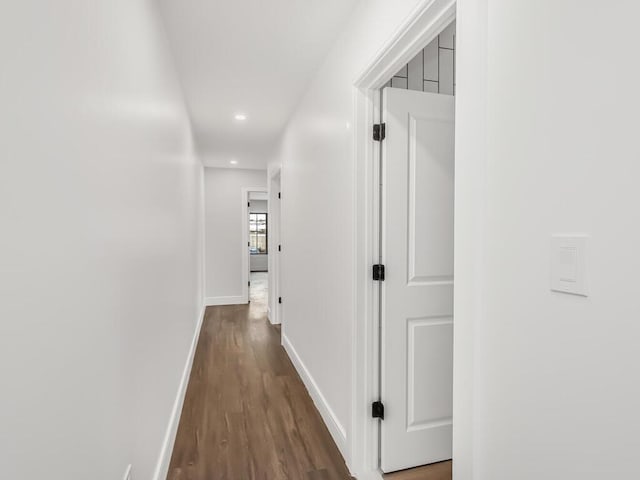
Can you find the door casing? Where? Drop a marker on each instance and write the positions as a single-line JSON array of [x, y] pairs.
[[245, 239]]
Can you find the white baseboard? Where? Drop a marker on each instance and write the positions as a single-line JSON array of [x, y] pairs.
[[372, 475], [336, 429], [236, 300], [162, 466]]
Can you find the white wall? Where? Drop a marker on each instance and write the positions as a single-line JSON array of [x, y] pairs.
[[259, 262], [100, 250], [258, 206], [555, 392], [317, 176], [223, 230], [545, 144]]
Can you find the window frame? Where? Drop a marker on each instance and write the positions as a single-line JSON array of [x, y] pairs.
[[266, 233]]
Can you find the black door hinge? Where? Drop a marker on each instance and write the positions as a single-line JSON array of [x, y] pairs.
[[377, 410], [279, 193], [248, 204], [379, 132], [378, 273], [249, 283], [248, 244], [279, 299], [279, 248]]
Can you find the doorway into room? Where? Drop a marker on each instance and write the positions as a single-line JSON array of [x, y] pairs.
[[258, 247], [407, 321], [256, 260], [275, 311], [416, 249]]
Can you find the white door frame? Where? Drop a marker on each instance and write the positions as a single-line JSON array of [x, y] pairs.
[[426, 21], [245, 238], [275, 239]]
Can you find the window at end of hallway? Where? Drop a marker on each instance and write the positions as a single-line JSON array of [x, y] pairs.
[[258, 233]]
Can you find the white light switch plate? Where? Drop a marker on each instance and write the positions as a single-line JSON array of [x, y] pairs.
[[568, 264]]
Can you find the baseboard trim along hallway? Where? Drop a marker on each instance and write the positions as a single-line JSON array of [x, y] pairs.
[[336, 429], [215, 301], [162, 466]]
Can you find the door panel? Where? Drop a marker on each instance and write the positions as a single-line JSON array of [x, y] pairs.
[[417, 248], [430, 198], [428, 342]]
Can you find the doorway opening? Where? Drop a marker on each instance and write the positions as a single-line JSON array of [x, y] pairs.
[[403, 362], [258, 247], [275, 312], [415, 246], [256, 244]]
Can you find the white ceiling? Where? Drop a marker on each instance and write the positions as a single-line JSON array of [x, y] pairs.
[[247, 56]]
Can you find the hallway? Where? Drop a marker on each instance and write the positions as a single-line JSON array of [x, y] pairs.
[[247, 414]]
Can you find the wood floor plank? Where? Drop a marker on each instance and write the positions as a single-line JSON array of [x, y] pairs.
[[247, 414], [319, 475], [436, 471]]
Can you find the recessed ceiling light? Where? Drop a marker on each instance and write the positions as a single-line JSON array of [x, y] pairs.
[[233, 162], [240, 116]]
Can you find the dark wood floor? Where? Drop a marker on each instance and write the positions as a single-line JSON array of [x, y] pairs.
[[248, 416], [437, 471]]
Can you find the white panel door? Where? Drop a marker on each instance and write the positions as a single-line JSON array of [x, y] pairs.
[[417, 248]]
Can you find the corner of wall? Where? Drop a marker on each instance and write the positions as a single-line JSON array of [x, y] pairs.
[[336, 429], [162, 467]]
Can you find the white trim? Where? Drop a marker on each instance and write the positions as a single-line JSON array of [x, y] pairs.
[[424, 23], [336, 429], [162, 467], [245, 240], [372, 475], [233, 300], [127, 473]]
